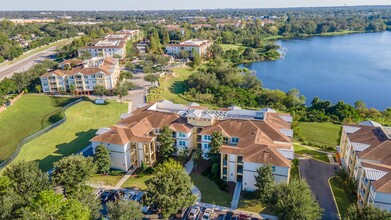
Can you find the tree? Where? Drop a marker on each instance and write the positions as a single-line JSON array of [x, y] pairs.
[[122, 90], [38, 88], [124, 210], [72, 88], [248, 54], [196, 60], [354, 212], [151, 78], [102, 159], [216, 142], [100, 90], [87, 197], [264, 182], [49, 205], [166, 142], [166, 37], [294, 201], [73, 171], [85, 55], [171, 189], [27, 179], [6, 86]]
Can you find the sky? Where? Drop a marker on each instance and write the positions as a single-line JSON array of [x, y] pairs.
[[173, 4]]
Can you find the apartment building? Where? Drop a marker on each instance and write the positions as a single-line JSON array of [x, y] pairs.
[[113, 45], [199, 46], [251, 138], [83, 75], [365, 152]]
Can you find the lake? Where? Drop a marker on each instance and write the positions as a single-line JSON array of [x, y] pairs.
[[349, 68]]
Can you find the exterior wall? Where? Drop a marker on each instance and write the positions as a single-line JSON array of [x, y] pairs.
[[187, 140], [383, 201], [107, 52], [280, 174], [232, 168], [200, 122], [120, 155]]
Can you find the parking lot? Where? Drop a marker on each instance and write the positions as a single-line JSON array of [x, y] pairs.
[[201, 211]]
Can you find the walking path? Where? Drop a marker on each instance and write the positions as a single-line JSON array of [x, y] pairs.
[[329, 154], [124, 178], [236, 196]]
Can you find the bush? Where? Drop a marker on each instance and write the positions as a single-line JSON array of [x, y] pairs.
[[56, 117], [113, 172], [223, 185]]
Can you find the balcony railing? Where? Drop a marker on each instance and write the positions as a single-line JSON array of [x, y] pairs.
[[224, 163], [240, 171], [240, 159], [224, 172]]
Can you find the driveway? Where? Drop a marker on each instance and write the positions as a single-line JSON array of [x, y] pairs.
[[317, 174]]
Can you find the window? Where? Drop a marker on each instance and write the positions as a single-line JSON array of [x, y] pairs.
[[182, 134], [182, 143], [157, 130], [207, 137], [273, 168], [206, 146], [234, 140]]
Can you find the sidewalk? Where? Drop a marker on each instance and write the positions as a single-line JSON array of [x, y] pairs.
[[124, 178], [329, 154]]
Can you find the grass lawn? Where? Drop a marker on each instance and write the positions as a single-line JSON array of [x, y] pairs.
[[83, 120], [137, 182], [326, 134], [314, 154], [251, 205], [105, 180], [342, 198], [210, 192], [27, 116], [232, 46]]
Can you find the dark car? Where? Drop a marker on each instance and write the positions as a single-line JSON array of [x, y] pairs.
[[181, 213], [229, 216], [105, 196]]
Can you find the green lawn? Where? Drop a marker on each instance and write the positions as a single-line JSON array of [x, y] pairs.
[[342, 198], [210, 192], [311, 153], [232, 46], [137, 182], [251, 205], [27, 116], [105, 180], [323, 134], [83, 120]]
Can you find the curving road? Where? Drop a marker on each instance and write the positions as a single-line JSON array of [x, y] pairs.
[[26, 63], [317, 175]]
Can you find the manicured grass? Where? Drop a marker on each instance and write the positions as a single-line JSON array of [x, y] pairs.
[[105, 180], [311, 153], [295, 174], [342, 198], [323, 134], [28, 115], [251, 205], [210, 192], [226, 47], [83, 120], [137, 182]]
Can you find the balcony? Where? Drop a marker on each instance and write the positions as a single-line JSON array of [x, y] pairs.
[[224, 163], [240, 171], [225, 172], [240, 160], [199, 138]]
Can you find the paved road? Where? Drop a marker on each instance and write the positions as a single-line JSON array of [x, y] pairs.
[[317, 174], [26, 63]]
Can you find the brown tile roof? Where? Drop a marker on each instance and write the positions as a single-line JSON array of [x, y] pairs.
[[383, 184]]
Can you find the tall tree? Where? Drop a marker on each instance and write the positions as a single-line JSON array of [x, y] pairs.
[[354, 212], [124, 210], [264, 181], [87, 197], [72, 172], [294, 201], [216, 142], [27, 179], [171, 189], [122, 90], [150, 77], [166, 37], [166, 142], [102, 159]]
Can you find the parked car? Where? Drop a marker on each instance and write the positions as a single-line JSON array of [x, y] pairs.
[[244, 217], [145, 209], [181, 213], [229, 216], [99, 192], [194, 212], [104, 197], [127, 196], [138, 196], [207, 214]]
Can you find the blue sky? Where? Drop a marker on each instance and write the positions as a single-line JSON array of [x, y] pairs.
[[173, 4]]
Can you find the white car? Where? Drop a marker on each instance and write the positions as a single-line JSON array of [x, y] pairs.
[[207, 214], [194, 212]]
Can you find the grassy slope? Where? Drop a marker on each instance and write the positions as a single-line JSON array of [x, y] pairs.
[[341, 197], [172, 87], [210, 191], [27, 116], [82, 122], [321, 133], [138, 182], [316, 155], [105, 180], [232, 46]]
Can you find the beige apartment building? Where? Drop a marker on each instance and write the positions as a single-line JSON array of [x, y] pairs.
[[365, 152], [113, 45], [252, 138], [82, 75], [199, 46]]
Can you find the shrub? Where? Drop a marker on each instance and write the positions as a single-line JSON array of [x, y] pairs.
[[113, 172]]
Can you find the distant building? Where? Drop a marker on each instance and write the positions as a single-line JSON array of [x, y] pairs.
[[33, 20], [199, 46], [365, 152], [83, 75], [113, 45], [252, 138]]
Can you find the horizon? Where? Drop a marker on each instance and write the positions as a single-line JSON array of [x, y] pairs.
[[173, 5]]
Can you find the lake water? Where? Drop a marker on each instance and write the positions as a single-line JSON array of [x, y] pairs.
[[348, 68]]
